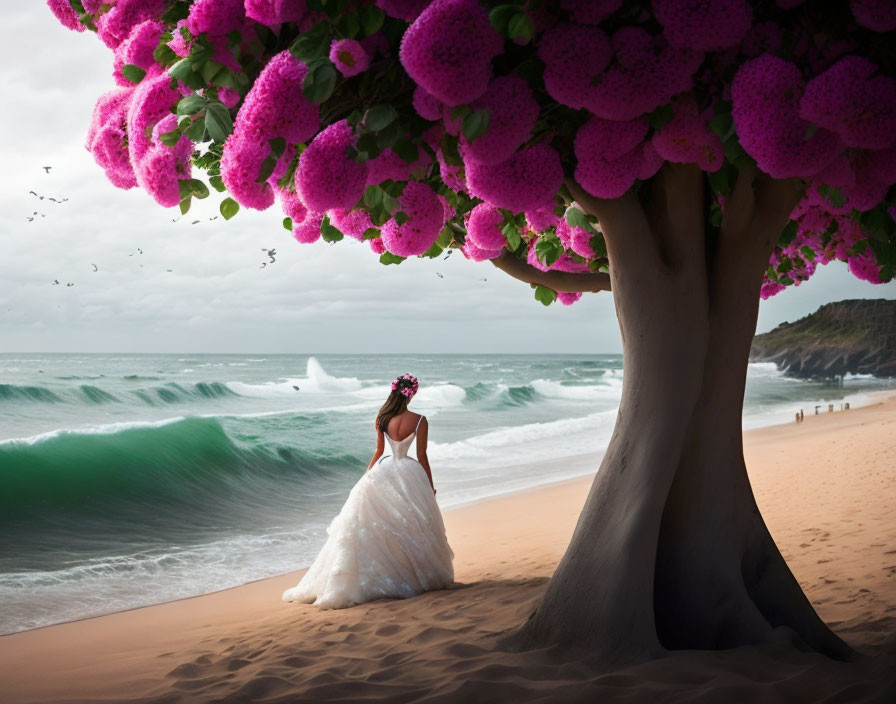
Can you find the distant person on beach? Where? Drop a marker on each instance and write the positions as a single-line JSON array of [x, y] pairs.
[[389, 538]]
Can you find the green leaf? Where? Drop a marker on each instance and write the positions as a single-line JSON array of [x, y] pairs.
[[810, 132], [287, 224], [512, 235], [170, 139], [372, 19], [545, 295], [320, 82], [548, 250], [192, 187], [389, 258], [185, 205], [407, 150], [662, 116], [201, 51], [210, 71], [133, 73], [475, 124], [217, 183], [163, 53], [183, 72], [520, 27], [313, 44], [371, 233], [218, 121], [808, 253], [450, 151], [328, 232], [229, 207], [577, 218], [379, 117], [458, 112], [191, 104], [401, 217], [722, 123], [718, 181], [349, 25], [389, 135], [788, 233], [445, 237], [196, 131], [500, 17]]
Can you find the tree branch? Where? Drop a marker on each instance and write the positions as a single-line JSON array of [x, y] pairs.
[[561, 281], [623, 223], [676, 214]]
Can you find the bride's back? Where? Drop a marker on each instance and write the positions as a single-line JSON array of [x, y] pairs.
[[401, 426]]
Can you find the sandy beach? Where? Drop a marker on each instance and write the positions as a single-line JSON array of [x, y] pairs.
[[827, 489]]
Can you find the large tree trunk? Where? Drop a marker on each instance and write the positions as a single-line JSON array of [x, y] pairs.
[[670, 550]]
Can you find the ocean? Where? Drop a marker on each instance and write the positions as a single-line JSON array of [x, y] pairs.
[[128, 480]]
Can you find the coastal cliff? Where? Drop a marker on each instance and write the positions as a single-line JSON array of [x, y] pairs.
[[855, 337]]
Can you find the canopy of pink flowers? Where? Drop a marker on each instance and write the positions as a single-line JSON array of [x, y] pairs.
[[420, 125]]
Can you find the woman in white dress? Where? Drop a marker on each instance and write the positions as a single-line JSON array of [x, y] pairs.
[[389, 539]]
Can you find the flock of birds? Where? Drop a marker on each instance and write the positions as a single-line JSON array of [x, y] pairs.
[[270, 253]]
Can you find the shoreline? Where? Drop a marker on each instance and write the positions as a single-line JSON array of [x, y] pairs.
[[875, 398]]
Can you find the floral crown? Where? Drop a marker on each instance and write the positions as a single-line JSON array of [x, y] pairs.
[[406, 385]]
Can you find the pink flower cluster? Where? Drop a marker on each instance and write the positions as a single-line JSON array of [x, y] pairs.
[[484, 231], [425, 218], [349, 57], [512, 113], [137, 49], [406, 385], [114, 26], [527, 180], [449, 48], [274, 107], [66, 14], [327, 177], [688, 139], [107, 137], [704, 25], [275, 12], [611, 155]]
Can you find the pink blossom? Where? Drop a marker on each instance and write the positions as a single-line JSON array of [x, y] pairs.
[[427, 106], [476, 254], [389, 166], [865, 267], [377, 245], [137, 49], [527, 180], [114, 26], [291, 204], [608, 139], [272, 108], [875, 172], [275, 12], [308, 231], [162, 167], [574, 57], [153, 99], [229, 96], [452, 174], [854, 100], [448, 211], [484, 227], [349, 57], [704, 25], [770, 288], [590, 11], [540, 219], [575, 238], [567, 298], [876, 15], [765, 98], [327, 177], [687, 138], [407, 10], [512, 114], [216, 16], [449, 48], [66, 14], [352, 223], [420, 230], [107, 137]]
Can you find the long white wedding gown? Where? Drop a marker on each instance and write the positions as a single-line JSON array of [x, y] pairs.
[[387, 541]]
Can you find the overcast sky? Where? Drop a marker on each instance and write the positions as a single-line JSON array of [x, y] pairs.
[[217, 298]]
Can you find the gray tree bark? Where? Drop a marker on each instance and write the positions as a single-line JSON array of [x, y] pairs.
[[670, 550]]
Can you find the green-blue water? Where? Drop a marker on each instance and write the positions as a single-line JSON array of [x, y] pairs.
[[133, 479]]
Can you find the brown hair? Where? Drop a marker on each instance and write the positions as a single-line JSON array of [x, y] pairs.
[[395, 405]]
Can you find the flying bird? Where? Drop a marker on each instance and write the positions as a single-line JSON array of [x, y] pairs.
[[195, 222], [35, 194], [55, 282], [95, 267], [450, 251], [439, 275], [47, 168], [61, 200], [67, 285]]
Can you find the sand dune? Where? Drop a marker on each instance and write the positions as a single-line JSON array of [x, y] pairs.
[[827, 489]]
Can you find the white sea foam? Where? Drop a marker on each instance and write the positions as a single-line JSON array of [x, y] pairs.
[[612, 387], [106, 429], [315, 381]]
